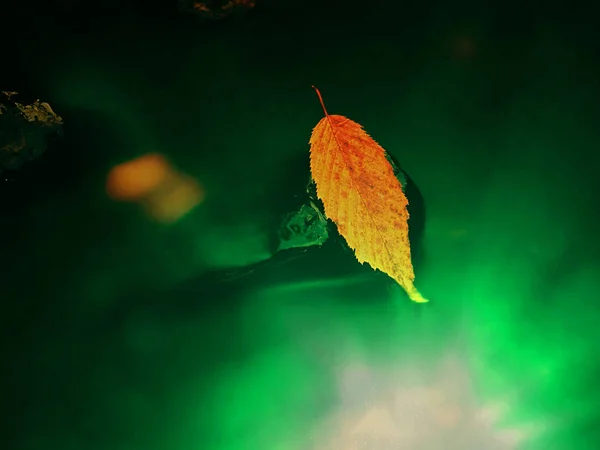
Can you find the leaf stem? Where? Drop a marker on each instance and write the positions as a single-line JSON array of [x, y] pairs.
[[321, 100]]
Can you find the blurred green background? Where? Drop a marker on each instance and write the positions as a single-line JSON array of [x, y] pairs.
[[112, 338]]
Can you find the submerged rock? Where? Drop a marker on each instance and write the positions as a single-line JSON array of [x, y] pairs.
[[307, 250], [25, 130]]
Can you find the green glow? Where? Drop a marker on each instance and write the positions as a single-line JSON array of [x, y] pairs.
[[527, 354], [125, 358]]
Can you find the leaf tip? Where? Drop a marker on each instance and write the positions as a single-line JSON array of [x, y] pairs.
[[415, 296], [418, 298]]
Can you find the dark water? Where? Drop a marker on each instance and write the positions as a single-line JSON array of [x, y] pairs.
[[113, 325]]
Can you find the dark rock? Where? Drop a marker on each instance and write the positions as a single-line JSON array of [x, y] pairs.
[[215, 9], [25, 130], [306, 246]]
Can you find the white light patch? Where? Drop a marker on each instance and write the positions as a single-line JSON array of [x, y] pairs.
[[415, 407]]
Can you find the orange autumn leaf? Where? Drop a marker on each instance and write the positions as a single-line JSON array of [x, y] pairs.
[[362, 196]]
